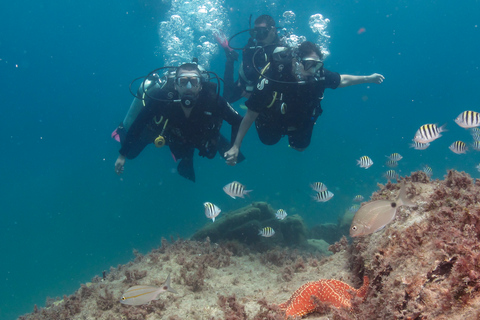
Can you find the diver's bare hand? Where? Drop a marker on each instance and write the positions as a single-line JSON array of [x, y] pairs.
[[376, 78], [119, 164], [231, 156]]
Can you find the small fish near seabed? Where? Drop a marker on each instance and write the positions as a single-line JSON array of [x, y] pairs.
[[391, 175], [236, 189], [138, 295], [358, 198], [266, 232], [428, 133], [468, 119], [428, 171], [280, 214], [375, 215], [211, 210], [365, 162]]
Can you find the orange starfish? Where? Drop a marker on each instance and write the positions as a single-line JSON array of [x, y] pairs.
[[334, 292]]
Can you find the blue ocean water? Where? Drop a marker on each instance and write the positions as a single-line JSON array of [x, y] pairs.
[[65, 69]]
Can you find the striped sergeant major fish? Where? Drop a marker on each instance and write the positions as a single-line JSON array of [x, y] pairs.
[[280, 214], [468, 119], [211, 210], [419, 146], [358, 198], [395, 157], [318, 186], [428, 133], [476, 145], [365, 162], [458, 147], [428, 171], [391, 175], [323, 196], [266, 232], [138, 295], [236, 189]]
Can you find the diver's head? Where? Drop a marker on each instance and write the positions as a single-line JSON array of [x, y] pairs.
[[264, 30], [188, 83], [308, 61]]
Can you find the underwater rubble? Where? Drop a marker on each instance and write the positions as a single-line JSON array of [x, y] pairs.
[[423, 265]]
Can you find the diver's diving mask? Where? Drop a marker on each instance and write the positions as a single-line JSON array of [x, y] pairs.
[[188, 81], [311, 64], [260, 33]]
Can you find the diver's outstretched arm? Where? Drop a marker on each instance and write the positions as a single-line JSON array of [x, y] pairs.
[[349, 80], [232, 154]]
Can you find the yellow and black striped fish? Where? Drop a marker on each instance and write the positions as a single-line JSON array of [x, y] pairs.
[[236, 189], [266, 232], [428, 133], [468, 119], [458, 147], [365, 162]]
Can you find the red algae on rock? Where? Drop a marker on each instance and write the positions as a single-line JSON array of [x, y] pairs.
[[426, 265]]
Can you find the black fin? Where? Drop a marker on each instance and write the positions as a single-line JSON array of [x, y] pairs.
[[185, 169]]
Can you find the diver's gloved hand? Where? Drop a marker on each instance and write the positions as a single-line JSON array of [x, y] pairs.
[[231, 54]]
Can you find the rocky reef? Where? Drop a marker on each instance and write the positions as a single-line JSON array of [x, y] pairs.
[[423, 265], [242, 225]]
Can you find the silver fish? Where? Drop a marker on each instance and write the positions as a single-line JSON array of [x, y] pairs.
[[318, 186], [323, 196], [280, 214], [475, 131], [419, 146], [138, 295], [391, 175], [354, 208], [377, 214], [236, 189], [428, 133], [478, 167], [391, 163], [211, 210], [358, 198], [458, 147], [266, 232], [365, 162], [468, 119], [476, 145], [428, 171], [395, 157]]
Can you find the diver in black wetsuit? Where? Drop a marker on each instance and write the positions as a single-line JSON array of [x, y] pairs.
[[264, 39], [286, 101], [189, 119]]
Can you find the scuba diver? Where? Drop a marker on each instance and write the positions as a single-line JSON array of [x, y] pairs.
[[286, 101], [185, 112], [264, 38]]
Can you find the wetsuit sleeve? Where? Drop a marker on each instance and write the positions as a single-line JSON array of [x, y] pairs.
[[231, 116], [134, 134], [332, 79], [231, 90]]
